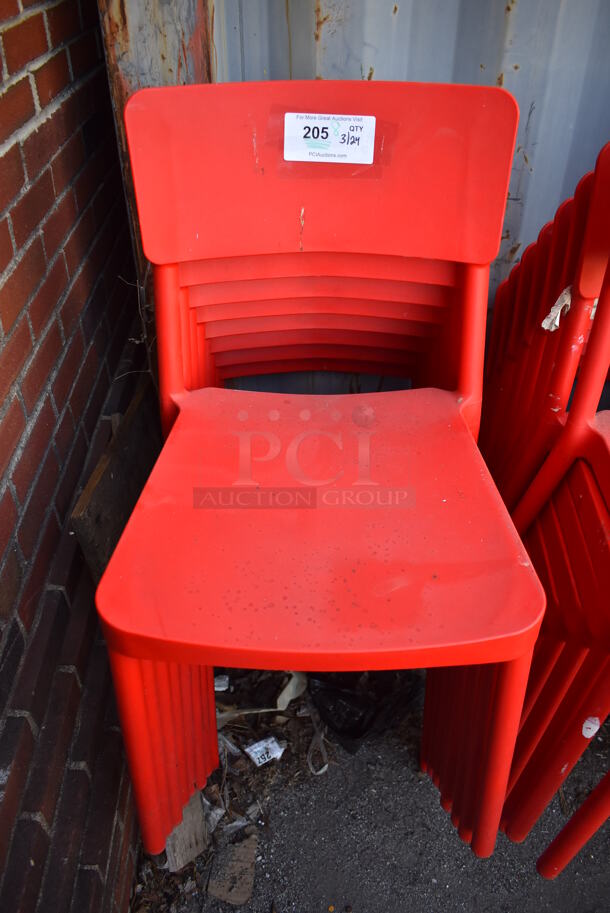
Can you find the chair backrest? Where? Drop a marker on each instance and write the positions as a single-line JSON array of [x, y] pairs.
[[585, 433], [266, 263], [569, 544], [532, 362]]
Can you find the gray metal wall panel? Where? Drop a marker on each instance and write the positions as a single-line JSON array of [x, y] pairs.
[[553, 55]]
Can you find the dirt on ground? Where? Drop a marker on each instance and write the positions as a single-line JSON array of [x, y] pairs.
[[368, 835]]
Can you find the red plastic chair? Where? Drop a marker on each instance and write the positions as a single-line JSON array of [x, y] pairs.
[[565, 516], [375, 538], [531, 370], [583, 824], [529, 378]]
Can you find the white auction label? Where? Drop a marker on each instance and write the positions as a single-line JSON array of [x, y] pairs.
[[340, 138]]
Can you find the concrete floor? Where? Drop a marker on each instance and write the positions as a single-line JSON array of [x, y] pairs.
[[370, 836]]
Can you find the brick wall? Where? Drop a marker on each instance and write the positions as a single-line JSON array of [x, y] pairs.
[[66, 820]]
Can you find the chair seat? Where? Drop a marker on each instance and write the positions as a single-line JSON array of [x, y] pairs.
[[320, 533]]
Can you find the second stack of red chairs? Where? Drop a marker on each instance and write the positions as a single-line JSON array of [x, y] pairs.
[[549, 451]]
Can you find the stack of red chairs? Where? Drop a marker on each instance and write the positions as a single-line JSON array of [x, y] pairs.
[[549, 452], [376, 538]]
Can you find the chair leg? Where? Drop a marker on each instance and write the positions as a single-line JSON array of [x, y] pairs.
[[473, 749], [453, 737], [560, 748], [579, 829], [544, 709], [432, 709], [504, 725], [169, 726]]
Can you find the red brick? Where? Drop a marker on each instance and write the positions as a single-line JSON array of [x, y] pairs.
[[124, 882], [6, 245], [10, 584], [25, 867], [67, 162], [24, 41], [63, 22], [118, 294], [82, 628], [8, 518], [42, 495], [8, 8], [12, 651], [88, 892], [34, 586], [62, 867], [50, 757], [11, 428], [87, 741], [34, 450], [71, 475], [31, 692], [41, 145], [110, 200], [16, 749], [84, 54], [104, 243], [41, 366], [95, 309], [122, 326], [77, 297], [64, 435], [100, 824], [48, 295], [52, 77], [91, 177], [96, 402], [68, 370], [112, 868], [124, 793], [128, 870], [79, 242], [21, 283], [59, 224], [84, 384], [16, 107], [11, 176], [13, 355], [29, 211], [67, 565]]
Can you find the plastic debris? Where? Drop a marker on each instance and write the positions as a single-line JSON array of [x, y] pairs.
[[266, 750], [561, 306], [353, 705], [317, 748], [225, 744], [296, 686], [212, 814]]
